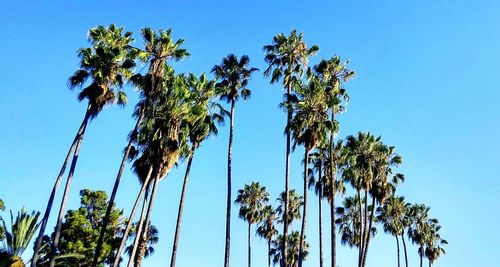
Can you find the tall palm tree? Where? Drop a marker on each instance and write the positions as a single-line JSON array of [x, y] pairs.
[[252, 199], [392, 215], [158, 49], [267, 230], [233, 75], [435, 244], [423, 232], [334, 73], [108, 64], [318, 185], [287, 57], [202, 124], [309, 127]]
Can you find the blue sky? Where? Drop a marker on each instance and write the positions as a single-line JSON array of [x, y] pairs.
[[427, 82]]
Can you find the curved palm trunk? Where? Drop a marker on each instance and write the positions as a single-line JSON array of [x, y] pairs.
[[228, 205], [397, 244], [404, 247], [138, 233], [105, 222], [268, 253], [43, 225], [287, 182], [142, 248], [304, 214], [368, 231], [332, 203], [66, 193], [181, 207], [131, 217], [361, 233], [249, 245]]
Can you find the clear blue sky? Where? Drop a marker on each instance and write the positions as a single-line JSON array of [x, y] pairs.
[[427, 82]]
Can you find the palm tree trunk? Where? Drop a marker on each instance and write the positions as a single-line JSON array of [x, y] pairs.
[[365, 230], [66, 192], [138, 233], [332, 203], [131, 217], [249, 245], [43, 225], [397, 245], [361, 234], [142, 249], [421, 256], [429, 263], [181, 207], [115, 189], [404, 247], [368, 231], [268, 253], [287, 179], [320, 200], [228, 204], [304, 213]]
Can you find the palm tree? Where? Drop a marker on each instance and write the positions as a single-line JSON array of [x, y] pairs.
[[233, 75], [203, 123], [17, 239], [309, 127], [435, 243], [318, 187], [159, 49], [252, 200], [107, 63], [295, 203], [293, 249], [267, 230], [287, 57], [151, 240], [334, 73], [392, 215]]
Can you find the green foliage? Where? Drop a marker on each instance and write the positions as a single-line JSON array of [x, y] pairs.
[[295, 203], [253, 199], [21, 231], [293, 242], [80, 230]]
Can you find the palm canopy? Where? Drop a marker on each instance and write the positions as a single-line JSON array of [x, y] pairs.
[[334, 72], [233, 75], [252, 199], [108, 64], [22, 229], [349, 223], [393, 215], [310, 123], [287, 57], [152, 239], [266, 228], [295, 203], [277, 250]]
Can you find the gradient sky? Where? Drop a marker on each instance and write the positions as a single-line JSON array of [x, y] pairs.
[[427, 82]]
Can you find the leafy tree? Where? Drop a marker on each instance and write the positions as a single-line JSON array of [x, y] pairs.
[[81, 228], [334, 73], [267, 230], [233, 75], [107, 64], [252, 200], [287, 57]]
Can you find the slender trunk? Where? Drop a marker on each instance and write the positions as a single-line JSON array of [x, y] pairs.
[[332, 203], [138, 233], [181, 207], [361, 233], [66, 194], [320, 212], [228, 204], [421, 255], [430, 263], [397, 245], [141, 249], [249, 245], [43, 225], [368, 236], [365, 230], [131, 218], [404, 247], [287, 180], [105, 221], [268, 253], [304, 213]]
